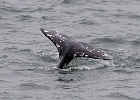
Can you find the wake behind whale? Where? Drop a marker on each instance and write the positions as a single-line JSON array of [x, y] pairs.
[[69, 48]]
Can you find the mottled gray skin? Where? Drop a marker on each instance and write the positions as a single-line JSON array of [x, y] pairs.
[[69, 49]]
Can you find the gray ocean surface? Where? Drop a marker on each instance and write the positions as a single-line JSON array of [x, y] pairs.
[[28, 58]]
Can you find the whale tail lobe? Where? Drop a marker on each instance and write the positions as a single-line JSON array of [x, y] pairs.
[[69, 49]]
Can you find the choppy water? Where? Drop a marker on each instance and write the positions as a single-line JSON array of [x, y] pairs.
[[28, 58]]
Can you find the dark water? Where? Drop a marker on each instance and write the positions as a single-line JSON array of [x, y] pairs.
[[28, 58]]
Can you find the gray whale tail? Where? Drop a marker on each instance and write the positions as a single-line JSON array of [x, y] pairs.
[[69, 48]]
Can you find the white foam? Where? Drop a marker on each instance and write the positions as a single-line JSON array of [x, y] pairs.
[[80, 68]]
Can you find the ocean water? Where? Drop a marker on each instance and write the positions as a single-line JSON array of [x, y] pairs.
[[28, 58]]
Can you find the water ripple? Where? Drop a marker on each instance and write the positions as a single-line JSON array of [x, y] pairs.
[[29, 86], [121, 96]]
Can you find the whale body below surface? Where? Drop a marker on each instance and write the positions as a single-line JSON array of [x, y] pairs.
[[69, 48]]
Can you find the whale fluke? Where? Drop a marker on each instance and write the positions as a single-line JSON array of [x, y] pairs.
[[69, 48]]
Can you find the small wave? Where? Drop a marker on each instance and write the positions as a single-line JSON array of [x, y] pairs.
[[80, 68], [85, 67], [41, 9], [28, 86], [67, 1], [24, 17], [63, 79], [4, 56], [121, 95], [110, 40], [24, 50], [10, 8], [16, 50], [69, 69], [52, 58], [126, 71], [86, 22], [46, 18], [10, 49], [136, 42], [127, 15], [137, 60]]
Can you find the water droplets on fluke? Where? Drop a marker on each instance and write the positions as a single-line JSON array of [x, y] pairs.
[[46, 31]]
